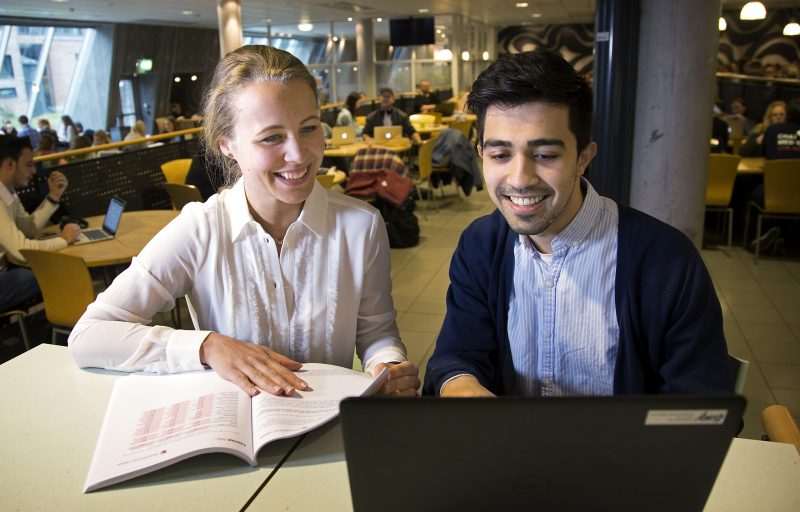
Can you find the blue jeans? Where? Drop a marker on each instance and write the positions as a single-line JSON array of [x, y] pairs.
[[17, 286]]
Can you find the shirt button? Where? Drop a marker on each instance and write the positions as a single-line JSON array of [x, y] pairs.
[[547, 334], [549, 283], [575, 243]]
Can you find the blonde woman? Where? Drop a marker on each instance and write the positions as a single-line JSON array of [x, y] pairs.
[[774, 114], [278, 270]]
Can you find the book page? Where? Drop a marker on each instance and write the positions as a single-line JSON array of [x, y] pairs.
[[277, 417], [156, 420]]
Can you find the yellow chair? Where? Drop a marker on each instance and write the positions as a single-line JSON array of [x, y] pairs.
[[781, 201], [463, 126], [181, 194], [66, 286], [361, 120], [426, 170], [175, 171], [780, 426], [326, 180], [422, 118], [719, 188]]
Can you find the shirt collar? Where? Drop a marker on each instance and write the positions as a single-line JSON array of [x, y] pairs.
[[313, 215], [6, 196]]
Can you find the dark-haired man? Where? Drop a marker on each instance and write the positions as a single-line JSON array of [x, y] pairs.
[[425, 102], [26, 130], [387, 115], [561, 291], [17, 227]]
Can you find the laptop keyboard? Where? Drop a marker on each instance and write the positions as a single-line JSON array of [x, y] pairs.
[[95, 234]]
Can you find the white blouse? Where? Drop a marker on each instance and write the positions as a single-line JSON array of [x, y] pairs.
[[326, 295]]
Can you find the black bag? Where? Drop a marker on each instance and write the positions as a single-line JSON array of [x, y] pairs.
[[401, 223]]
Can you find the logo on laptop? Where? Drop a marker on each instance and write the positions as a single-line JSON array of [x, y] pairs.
[[686, 417]]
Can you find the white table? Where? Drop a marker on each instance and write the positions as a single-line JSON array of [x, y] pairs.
[[756, 476], [52, 413]]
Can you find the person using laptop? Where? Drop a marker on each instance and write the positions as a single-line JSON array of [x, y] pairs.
[[388, 115], [18, 228], [561, 291], [425, 102], [277, 270]]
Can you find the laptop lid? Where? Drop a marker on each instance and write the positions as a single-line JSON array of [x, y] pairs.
[[388, 133], [446, 108], [342, 135], [113, 215], [655, 452]]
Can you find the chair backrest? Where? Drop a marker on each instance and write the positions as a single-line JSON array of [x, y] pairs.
[[361, 120], [738, 368], [65, 283], [462, 126], [423, 118], [780, 426], [425, 158], [721, 177], [181, 194], [326, 180], [781, 183], [175, 171]]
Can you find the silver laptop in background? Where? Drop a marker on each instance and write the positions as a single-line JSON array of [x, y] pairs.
[[110, 224], [384, 134], [622, 453], [343, 135]]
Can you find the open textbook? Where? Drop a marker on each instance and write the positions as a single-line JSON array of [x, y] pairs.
[[153, 421]]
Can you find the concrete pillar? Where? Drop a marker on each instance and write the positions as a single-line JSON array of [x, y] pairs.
[[365, 53], [229, 15], [675, 94]]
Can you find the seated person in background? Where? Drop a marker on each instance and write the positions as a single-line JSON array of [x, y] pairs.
[[137, 132], [774, 114], [83, 142], [387, 115], [100, 138], [8, 128], [18, 228], [26, 130], [170, 125], [278, 270], [44, 128], [561, 291], [719, 136], [739, 115], [47, 146], [345, 116], [781, 140], [425, 102], [67, 132]]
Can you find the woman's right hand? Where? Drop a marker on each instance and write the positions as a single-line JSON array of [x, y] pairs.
[[250, 366]]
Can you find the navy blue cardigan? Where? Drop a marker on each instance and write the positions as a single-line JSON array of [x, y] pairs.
[[671, 338]]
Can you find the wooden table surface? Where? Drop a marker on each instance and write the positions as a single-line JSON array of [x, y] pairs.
[[135, 230], [751, 165], [350, 150]]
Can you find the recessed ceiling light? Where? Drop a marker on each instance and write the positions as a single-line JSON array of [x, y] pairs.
[[536, 15], [423, 11], [335, 39], [177, 79], [187, 13], [379, 20], [438, 31], [305, 27], [194, 77], [522, 4], [350, 18], [60, 1]]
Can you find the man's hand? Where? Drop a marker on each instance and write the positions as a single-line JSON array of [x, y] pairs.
[[464, 386], [249, 366], [56, 184], [403, 379], [70, 233]]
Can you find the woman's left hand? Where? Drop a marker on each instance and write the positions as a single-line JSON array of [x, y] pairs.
[[403, 379]]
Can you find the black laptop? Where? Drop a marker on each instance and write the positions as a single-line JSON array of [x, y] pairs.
[[637, 453]]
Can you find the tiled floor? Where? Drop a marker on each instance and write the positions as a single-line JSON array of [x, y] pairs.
[[761, 305]]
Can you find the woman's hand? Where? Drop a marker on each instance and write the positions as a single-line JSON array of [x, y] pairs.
[[403, 379], [249, 366]]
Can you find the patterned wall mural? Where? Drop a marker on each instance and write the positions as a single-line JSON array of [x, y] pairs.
[[574, 42], [761, 40]]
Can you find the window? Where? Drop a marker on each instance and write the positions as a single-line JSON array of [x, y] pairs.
[[8, 92], [7, 70]]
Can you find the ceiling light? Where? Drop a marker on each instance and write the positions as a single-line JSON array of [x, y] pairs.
[[177, 79], [465, 55], [335, 39], [350, 18], [753, 11], [379, 20], [536, 15], [791, 29], [60, 1], [187, 13], [444, 54], [423, 11], [438, 31], [355, 68], [522, 4], [722, 24], [268, 20], [194, 78], [305, 27], [485, 55]]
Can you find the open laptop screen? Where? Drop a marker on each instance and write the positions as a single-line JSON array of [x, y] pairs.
[[654, 452], [113, 215]]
